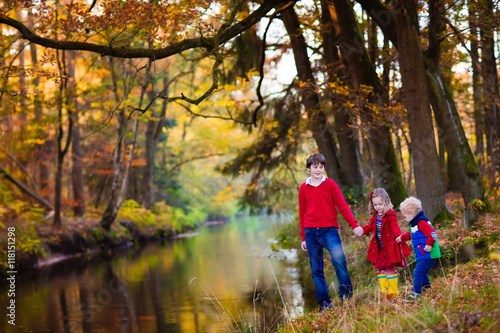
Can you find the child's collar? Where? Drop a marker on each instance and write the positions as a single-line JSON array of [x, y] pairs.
[[309, 179], [420, 216]]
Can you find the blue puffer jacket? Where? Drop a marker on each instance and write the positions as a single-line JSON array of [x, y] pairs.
[[418, 239]]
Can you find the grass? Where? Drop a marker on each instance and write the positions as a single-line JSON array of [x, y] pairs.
[[464, 299]]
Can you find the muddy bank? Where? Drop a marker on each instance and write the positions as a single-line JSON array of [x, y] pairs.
[[88, 238]]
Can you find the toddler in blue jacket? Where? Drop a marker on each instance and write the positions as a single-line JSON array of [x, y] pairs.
[[425, 245]]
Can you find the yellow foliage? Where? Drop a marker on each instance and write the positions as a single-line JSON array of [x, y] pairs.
[[495, 256], [225, 103]]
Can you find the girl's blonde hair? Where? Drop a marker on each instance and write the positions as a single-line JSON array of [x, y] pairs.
[[380, 192], [410, 205]]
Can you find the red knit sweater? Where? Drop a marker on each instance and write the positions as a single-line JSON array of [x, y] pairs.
[[318, 206]]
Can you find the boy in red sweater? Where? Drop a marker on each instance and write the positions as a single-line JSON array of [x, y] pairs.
[[319, 199]]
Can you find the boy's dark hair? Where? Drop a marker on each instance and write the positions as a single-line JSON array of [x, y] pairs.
[[316, 158]]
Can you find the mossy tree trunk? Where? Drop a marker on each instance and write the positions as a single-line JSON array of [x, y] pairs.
[[448, 120], [153, 132], [491, 87], [428, 182], [310, 99], [476, 83], [109, 216], [384, 162], [348, 142]]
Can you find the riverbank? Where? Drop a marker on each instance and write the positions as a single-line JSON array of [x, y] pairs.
[[38, 243], [464, 298]]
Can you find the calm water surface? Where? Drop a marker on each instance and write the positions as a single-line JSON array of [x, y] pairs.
[[222, 279]]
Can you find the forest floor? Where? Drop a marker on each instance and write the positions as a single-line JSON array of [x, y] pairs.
[[464, 299], [465, 293]]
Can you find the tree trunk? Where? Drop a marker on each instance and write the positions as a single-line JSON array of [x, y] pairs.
[[115, 201], [61, 152], [442, 160], [428, 181], [372, 40], [310, 98], [21, 118], [148, 189], [460, 154], [108, 217], [42, 150], [347, 139], [476, 84], [397, 25], [386, 172], [112, 210], [153, 132], [491, 88], [76, 148]]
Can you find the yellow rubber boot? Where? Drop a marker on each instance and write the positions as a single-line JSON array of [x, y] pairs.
[[382, 280], [392, 281]]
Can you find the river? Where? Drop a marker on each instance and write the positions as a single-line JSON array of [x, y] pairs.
[[223, 278]]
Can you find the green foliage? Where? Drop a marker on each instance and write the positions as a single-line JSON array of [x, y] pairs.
[[353, 195], [478, 206], [134, 212], [289, 236], [27, 240], [160, 216], [443, 216], [5, 197]]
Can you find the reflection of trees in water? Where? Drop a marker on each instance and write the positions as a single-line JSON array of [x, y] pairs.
[[150, 289], [85, 306], [267, 303], [64, 310], [115, 287], [156, 294]]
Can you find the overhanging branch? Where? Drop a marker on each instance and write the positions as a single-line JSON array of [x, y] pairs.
[[225, 34]]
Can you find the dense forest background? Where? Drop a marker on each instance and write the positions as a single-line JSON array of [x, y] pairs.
[[192, 110]]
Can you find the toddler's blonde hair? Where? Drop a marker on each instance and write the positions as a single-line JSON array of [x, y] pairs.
[[411, 205], [380, 192]]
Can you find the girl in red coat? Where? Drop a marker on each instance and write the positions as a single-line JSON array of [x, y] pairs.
[[384, 252]]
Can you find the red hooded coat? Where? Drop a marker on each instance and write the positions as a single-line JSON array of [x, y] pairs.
[[395, 252]]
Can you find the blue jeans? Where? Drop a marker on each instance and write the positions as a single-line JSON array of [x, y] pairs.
[[421, 274], [329, 239]]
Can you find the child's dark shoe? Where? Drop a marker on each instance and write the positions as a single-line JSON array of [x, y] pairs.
[[324, 309], [427, 288], [412, 297]]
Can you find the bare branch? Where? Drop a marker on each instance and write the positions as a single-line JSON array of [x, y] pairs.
[[24, 188], [23, 169], [194, 159], [188, 109], [458, 34], [263, 58]]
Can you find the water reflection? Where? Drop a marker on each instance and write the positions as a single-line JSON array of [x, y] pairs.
[[221, 280]]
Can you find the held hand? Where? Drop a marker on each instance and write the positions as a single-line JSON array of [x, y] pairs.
[[303, 246], [427, 248], [398, 239], [358, 231]]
